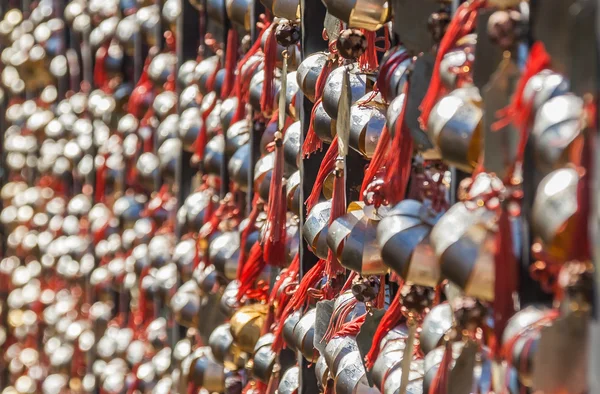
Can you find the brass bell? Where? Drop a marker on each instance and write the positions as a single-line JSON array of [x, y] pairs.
[[205, 372], [455, 127], [246, 324], [352, 239], [288, 9], [359, 14], [403, 236]]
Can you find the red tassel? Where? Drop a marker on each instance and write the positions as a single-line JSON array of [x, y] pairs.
[[230, 63], [101, 181], [291, 272], [139, 93], [351, 328], [368, 60], [462, 23], [338, 208], [505, 283], [309, 280], [327, 165], [251, 270], [389, 320], [440, 381], [250, 227], [275, 234], [100, 75], [377, 161], [399, 160], [267, 98], [255, 387], [312, 142]]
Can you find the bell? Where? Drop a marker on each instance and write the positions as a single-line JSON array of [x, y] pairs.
[[262, 175], [357, 14], [238, 12], [290, 381], [316, 227], [149, 18], [171, 11], [291, 145], [523, 335], [293, 52], [291, 91], [556, 193], [367, 120], [434, 358], [256, 88], [544, 86], [189, 97], [403, 236], [436, 325], [308, 73], [214, 10], [205, 372], [223, 349], [128, 209], [303, 335], [228, 109], [228, 303], [161, 68], [458, 58], [293, 193], [322, 372], [336, 350], [165, 104], [223, 253], [455, 128], [213, 155], [557, 125], [238, 134], [464, 243], [196, 205], [415, 384], [239, 167], [204, 70], [352, 376], [352, 239], [264, 358], [288, 9], [391, 354], [332, 95], [396, 75], [246, 324]]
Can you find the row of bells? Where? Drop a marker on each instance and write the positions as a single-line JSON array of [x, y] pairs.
[[90, 276]]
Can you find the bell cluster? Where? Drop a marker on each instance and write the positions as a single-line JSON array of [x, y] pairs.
[[284, 196]]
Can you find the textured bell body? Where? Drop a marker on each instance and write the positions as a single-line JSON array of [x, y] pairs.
[[246, 324], [308, 73], [367, 120], [263, 358], [239, 167], [316, 228], [290, 381], [403, 236], [332, 93]]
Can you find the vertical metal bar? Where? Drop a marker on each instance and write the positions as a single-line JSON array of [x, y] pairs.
[[312, 41]]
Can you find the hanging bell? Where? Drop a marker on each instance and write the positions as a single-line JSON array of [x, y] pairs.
[[239, 167], [238, 12], [205, 372], [316, 227], [288, 9], [238, 134], [213, 155], [437, 323], [455, 128], [246, 324], [308, 73], [556, 193], [457, 59], [403, 236], [203, 72], [332, 95], [262, 175], [291, 145], [359, 14], [224, 349], [190, 124], [293, 193], [223, 253], [367, 120], [290, 381], [352, 239], [264, 358], [161, 68]]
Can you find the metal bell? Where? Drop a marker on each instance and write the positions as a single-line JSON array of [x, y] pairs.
[[434, 358], [223, 253], [457, 58], [396, 77], [256, 88], [204, 70], [304, 332], [359, 14], [290, 381], [214, 10], [308, 72], [238, 134], [239, 167], [336, 350], [316, 227], [224, 350], [288, 9], [264, 358], [205, 372], [189, 97], [164, 105], [403, 236], [190, 123], [291, 144], [228, 109], [352, 239], [293, 193], [367, 120], [556, 193], [332, 95], [557, 125], [228, 303], [262, 175], [238, 12], [454, 127], [246, 324], [544, 86], [213, 155]]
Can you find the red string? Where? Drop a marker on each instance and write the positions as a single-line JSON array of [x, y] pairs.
[[250, 227], [251, 270], [387, 70], [368, 60], [101, 181], [462, 23], [377, 161], [100, 74], [327, 165], [142, 90], [399, 159], [440, 381], [230, 63], [267, 98]]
